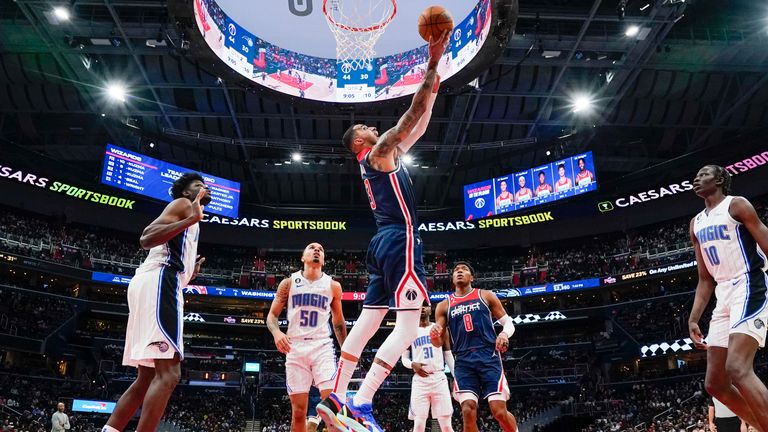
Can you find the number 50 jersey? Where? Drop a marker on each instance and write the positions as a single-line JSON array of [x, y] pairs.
[[309, 307], [728, 249]]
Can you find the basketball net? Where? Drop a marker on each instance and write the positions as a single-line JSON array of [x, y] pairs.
[[357, 25]]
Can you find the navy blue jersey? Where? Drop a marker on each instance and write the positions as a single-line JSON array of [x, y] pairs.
[[390, 193], [470, 324]]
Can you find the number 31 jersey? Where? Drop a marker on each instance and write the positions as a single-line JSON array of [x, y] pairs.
[[727, 248], [309, 307], [422, 351]]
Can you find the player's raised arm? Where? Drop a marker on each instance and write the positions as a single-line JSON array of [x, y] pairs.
[[423, 123], [704, 289], [337, 314], [177, 216], [391, 139], [282, 342], [437, 332]]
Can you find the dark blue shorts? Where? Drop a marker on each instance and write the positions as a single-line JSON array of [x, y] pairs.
[[396, 277], [480, 373]]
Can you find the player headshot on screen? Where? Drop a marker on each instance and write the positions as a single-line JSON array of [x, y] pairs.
[[584, 176], [563, 183], [543, 189], [505, 198], [524, 193]]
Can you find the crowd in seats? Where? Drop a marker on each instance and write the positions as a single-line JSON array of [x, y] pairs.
[[35, 400], [655, 320], [27, 314], [208, 410], [682, 405], [52, 238]]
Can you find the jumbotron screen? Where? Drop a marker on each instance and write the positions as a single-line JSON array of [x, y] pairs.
[[144, 175], [288, 47], [565, 178]]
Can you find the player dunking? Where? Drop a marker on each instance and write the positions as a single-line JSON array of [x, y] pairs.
[[430, 385], [311, 296], [153, 338], [396, 271], [478, 370], [729, 241]]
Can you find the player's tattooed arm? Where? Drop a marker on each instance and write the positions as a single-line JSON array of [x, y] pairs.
[[337, 314], [282, 343], [390, 140]]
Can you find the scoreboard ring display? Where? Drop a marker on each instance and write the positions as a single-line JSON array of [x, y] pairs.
[[260, 49]]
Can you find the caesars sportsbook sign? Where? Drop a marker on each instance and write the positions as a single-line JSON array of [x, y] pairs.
[[19, 176], [754, 162], [342, 225]]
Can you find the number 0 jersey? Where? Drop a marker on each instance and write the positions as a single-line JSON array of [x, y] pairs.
[[309, 307], [728, 249]]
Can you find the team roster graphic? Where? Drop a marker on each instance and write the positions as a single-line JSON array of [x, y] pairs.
[[564, 178]]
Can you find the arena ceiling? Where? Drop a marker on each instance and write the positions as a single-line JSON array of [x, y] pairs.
[[695, 75]]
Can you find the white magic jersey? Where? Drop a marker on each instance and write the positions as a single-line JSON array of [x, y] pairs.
[[179, 254], [728, 249], [422, 351], [309, 307]]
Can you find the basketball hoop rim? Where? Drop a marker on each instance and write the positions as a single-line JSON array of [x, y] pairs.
[[378, 26]]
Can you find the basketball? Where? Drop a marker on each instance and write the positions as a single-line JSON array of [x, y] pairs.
[[434, 21]]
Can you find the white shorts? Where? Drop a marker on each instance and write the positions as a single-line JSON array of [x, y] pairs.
[[430, 392], [742, 307], [155, 318], [311, 361]]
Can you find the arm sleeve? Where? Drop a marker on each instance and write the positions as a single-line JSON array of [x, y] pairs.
[[66, 423], [406, 359], [508, 325], [448, 355]]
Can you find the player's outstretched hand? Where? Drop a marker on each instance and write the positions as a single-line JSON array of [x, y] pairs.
[[282, 342], [502, 343], [696, 336], [437, 47], [436, 335], [197, 207]]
